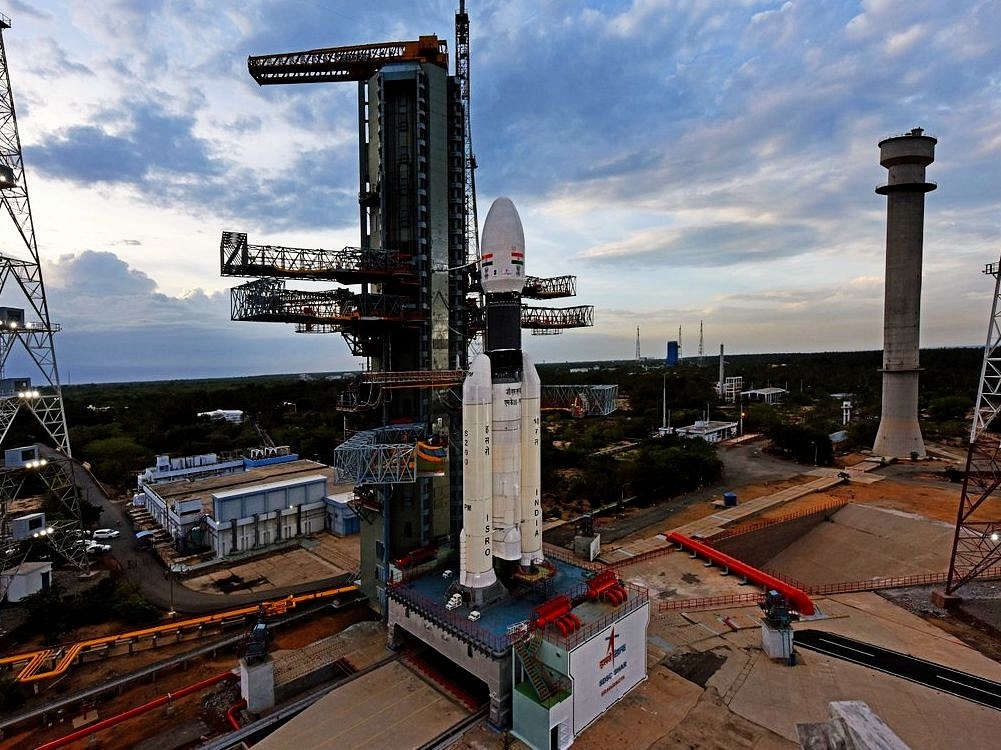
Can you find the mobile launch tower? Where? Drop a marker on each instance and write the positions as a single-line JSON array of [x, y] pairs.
[[409, 296]]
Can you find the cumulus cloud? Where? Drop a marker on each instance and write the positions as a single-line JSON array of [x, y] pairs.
[[686, 160]]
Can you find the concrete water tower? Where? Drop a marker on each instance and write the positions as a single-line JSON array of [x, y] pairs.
[[905, 158]]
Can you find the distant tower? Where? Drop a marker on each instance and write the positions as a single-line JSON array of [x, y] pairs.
[[702, 350], [722, 371], [905, 157], [637, 343]]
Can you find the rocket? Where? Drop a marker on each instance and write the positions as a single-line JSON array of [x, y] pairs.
[[501, 402]]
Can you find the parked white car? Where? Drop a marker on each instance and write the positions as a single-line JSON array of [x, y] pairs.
[[94, 547], [105, 534]]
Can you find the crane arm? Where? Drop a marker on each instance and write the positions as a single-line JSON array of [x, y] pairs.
[[353, 63]]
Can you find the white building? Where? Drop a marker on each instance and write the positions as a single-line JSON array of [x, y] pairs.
[[27, 579], [765, 395], [265, 505], [709, 430], [229, 415]]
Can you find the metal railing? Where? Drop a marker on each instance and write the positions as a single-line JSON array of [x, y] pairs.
[[832, 505]]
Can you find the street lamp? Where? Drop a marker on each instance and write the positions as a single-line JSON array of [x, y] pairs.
[[173, 570]]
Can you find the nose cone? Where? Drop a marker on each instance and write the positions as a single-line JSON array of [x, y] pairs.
[[502, 249]]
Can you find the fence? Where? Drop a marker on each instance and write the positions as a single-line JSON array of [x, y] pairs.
[[832, 505], [819, 589], [711, 602]]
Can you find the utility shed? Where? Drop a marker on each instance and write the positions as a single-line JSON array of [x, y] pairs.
[[27, 579]]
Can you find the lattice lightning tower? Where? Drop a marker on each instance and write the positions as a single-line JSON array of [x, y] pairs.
[[976, 547], [45, 401]]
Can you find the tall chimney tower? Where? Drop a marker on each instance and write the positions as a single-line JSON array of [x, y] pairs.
[[905, 158]]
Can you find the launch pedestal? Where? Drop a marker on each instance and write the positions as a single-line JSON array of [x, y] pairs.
[[484, 597]]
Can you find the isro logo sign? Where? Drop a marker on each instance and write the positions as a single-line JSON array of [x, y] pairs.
[[611, 653]]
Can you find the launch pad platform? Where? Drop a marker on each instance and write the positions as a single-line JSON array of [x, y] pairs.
[[572, 666]]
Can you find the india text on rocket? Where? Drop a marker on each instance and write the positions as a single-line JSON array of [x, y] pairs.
[[502, 511]]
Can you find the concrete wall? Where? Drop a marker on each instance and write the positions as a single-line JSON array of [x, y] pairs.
[[494, 671], [758, 547]]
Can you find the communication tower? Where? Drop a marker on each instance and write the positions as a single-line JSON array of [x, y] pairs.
[[26, 346], [24, 318]]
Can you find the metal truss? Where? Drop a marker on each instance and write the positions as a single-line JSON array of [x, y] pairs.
[[35, 336], [350, 265], [542, 321], [384, 455], [61, 534], [353, 63], [977, 543], [268, 300], [551, 288], [581, 400]]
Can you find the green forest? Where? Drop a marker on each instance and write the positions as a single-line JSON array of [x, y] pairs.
[[120, 428]]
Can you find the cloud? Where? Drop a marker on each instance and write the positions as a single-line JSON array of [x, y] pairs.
[[687, 159]]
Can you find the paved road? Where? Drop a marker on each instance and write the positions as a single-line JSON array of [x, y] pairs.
[[743, 464], [146, 570], [952, 681]]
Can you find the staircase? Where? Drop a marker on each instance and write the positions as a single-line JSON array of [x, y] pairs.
[[526, 649]]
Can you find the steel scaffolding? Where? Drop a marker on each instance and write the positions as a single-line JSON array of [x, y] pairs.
[[543, 321], [384, 455], [349, 265], [581, 400], [551, 288]]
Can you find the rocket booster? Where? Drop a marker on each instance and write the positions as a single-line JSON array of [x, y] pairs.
[[501, 468]]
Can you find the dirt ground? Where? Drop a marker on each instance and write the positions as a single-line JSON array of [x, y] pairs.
[[199, 714], [669, 712]]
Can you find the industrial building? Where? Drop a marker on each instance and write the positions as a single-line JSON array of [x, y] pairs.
[[266, 505]]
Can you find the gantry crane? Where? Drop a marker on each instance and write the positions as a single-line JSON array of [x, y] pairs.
[[976, 546]]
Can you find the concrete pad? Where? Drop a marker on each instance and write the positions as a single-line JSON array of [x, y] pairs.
[[648, 712], [277, 570], [866, 542], [873, 619], [388, 708]]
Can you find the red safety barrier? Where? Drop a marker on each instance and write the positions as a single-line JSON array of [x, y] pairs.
[[797, 598]]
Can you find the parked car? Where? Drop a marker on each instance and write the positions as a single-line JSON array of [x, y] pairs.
[[105, 534], [94, 547]]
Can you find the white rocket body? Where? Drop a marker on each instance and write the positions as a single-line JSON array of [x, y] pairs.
[[501, 398], [475, 545], [507, 470], [531, 465], [502, 249]]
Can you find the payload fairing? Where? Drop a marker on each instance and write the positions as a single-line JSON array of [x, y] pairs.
[[501, 402]]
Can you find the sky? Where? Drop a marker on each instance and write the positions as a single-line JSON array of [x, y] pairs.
[[693, 162]]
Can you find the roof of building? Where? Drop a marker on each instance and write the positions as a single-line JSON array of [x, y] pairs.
[[204, 488], [27, 568]]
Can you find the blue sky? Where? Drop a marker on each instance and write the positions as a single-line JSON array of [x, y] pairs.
[[687, 160]]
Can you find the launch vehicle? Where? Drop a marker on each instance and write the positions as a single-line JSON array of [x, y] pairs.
[[501, 401]]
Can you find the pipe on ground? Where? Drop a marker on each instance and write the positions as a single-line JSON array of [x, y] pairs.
[[111, 721]]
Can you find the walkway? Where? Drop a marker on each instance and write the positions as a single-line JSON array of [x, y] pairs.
[[710, 526]]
